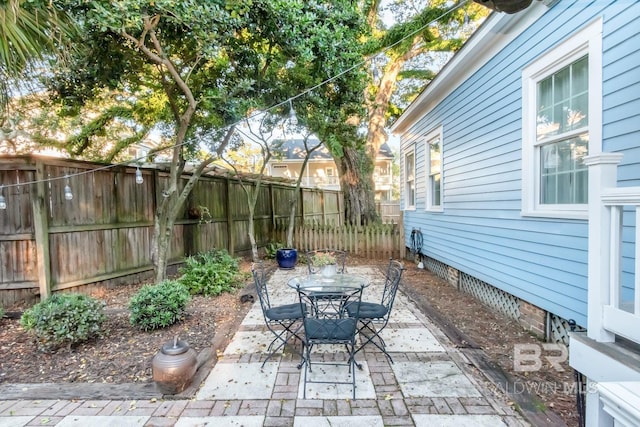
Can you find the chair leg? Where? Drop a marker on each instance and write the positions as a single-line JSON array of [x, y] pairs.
[[352, 368], [281, 337], [307, 368], [370, 336], [282, 343]]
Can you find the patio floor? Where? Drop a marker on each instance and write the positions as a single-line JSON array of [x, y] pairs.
[[430, 383]]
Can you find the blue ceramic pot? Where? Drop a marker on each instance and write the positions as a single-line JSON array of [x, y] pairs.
[[287, 257]]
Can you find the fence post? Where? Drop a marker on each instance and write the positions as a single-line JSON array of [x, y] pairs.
[[324, 207], [231, 242], [300, 205], [41, 232], [272, 208]]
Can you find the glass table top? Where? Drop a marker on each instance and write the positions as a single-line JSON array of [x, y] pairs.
[[335, 283]]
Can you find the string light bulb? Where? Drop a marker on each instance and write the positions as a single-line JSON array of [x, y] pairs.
[[293, 119], [67, 190], [139, 178], [3, 202]]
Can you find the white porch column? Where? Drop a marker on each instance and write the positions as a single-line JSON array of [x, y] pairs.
[[602, 174], [595, 415]]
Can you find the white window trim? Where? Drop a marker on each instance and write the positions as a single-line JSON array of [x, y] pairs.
[[429, 206], [587, 41], [410, 150]]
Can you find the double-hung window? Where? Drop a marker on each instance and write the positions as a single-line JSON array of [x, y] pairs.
[[561, 124], [434, 170], [410, 179], [562, 133]]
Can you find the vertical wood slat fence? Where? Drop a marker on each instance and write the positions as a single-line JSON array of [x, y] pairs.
[[104, 234], [389, 211], [376, 241]]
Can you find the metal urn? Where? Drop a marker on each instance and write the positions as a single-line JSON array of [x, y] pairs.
[[174, 366]]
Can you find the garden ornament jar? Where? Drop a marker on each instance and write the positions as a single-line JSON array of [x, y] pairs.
[[174, 366]]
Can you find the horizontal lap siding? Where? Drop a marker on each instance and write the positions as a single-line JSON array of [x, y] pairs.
[[481, 230]]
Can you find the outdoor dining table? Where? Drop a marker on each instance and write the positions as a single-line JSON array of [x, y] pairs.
[[334, 284], [329, 290]]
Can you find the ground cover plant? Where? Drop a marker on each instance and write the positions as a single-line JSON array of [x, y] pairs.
[[158, 306], [211, 273]]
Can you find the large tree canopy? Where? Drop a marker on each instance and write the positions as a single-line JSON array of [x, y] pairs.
[[401, 58], [194, 69]]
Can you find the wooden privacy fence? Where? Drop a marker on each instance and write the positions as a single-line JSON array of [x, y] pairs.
[[104, 233], [372, 241], [389, 211]]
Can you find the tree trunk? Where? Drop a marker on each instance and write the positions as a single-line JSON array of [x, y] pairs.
[[357, 166], [294, 203], [252, 194], [252, 238], [356, 176], [162, 231]]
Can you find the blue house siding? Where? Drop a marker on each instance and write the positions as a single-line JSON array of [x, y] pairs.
[[481, 230]]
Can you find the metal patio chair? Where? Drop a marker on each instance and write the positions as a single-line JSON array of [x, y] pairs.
[[340, 256], [325, 321], [373, 316], [284, 321]]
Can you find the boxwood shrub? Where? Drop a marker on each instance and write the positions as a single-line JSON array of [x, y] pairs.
[[64, 319], [158, 306]]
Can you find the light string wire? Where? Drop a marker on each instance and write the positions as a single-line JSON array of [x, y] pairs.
[[258, 113]]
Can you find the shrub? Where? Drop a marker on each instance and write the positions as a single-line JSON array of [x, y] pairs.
[[158, 306], [1, 312], [271, 249], [64, 320], [211, 273]]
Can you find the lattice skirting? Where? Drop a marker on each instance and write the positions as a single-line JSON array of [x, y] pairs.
[[491, 296], [440, 269], [557, 328]]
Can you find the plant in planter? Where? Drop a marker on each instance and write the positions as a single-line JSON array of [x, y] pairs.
[[325, 262], [320, 259]]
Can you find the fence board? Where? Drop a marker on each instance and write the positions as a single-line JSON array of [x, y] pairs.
[[374, 241]]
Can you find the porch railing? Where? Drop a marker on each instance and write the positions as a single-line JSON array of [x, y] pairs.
[[622, 315], [614, 253]]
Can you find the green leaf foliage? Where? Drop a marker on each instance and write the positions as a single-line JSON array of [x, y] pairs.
[[234, 57], [211, 273], [271, 249], [158, 306], [64, 320]]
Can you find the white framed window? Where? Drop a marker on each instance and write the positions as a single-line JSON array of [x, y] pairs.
[[433, 150], [562, 123], [410, 179], [329, 171]]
